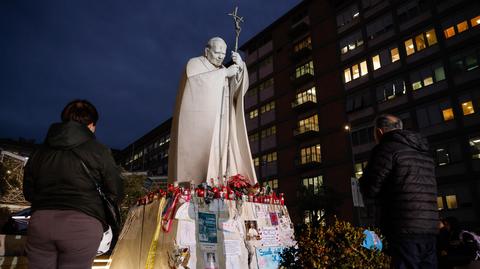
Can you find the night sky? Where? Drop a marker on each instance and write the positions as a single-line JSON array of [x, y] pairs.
[[126, 57]]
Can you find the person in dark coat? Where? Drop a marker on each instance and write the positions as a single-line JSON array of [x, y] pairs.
[[68, 218], [400, 176]]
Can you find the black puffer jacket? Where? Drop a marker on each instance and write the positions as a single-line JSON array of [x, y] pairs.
[[401, 175], [54, 177]]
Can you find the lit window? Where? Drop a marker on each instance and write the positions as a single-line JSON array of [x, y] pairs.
[[475, 21], [447, 114], [462, 26], [303, 44], [475, 147], [310, 154], [449, 32], [256, 161], [308, 124], [416, 85], [467, 108], [428, 81], [347, 75], [253, 114], [451, 201], [304, 69], [439, 73], [376, 62], [344, 50], [409, 47], [420, 42], [359, 168], [431, 37], [313, 184], [355, 71], [273, 184], [440, 203], [395, 55], [363, 68]]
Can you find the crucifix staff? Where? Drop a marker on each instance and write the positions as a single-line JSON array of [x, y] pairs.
[[237, 20]]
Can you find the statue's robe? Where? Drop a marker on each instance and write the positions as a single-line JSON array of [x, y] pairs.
[[201, 126]]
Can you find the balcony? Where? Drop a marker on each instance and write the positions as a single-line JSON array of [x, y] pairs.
[[301, 54], [299, 28], [302, 79], [307, 101], [306, 131], [308, 162]]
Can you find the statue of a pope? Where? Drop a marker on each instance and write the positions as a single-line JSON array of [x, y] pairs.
[[208, 136]]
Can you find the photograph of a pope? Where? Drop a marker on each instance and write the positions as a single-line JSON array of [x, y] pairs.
[[208, 136]]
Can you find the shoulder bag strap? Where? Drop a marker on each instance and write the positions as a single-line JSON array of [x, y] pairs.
[[95, 182]]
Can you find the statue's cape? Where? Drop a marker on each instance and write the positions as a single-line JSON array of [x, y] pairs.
[[198, 136]]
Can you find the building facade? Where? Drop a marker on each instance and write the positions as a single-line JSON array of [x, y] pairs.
[[419, 60], [321, 73]]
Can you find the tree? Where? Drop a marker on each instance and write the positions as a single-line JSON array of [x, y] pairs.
[[338, 245]]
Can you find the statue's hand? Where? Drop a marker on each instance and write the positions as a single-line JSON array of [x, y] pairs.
[[236, 58], [232, 70]]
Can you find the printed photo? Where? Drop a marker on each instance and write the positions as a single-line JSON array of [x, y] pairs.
[[251, 230]]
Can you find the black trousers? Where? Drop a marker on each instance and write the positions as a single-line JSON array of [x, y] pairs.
[[413, 253], [62, 239]]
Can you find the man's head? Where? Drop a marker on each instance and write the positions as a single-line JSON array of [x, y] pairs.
[[386, 123], [215, 51], [81, 111]]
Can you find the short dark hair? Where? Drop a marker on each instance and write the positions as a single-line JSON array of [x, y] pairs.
[[81, 111], [388, 122]]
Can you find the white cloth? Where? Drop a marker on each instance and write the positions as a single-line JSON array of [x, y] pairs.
[[201, 126]]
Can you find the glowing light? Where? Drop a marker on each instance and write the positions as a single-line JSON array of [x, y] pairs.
[[356, 14], [347, 127]]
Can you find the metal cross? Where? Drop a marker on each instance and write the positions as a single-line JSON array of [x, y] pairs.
[[237, 20]]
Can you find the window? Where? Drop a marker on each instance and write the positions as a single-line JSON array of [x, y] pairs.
[[313, 184], [252, 92], [451, 201], [310, 154], [434, 114], [376, 62], [379, 26], [475, 21], [351, 42], [253, 114], [467, 108], [362, 136], [305, 43], [475, 147], [411, 9], [266, 84], [304, 69], [308, 124], [447, 114], [256, 161], [442, 157], [440, 203], [355, 71], [358, 101], [420, 42], [359, 168], [273, 183], [391, 90], [459, 26], [395, 56], [308, 95], [268, 107], [466, 61], [268, 132], [427, 76], [254, 137], [269, 158], [347, 16]]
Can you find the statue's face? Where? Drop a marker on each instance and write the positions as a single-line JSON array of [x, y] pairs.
[[216, 53]]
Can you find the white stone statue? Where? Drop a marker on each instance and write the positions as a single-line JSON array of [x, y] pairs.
[[208, 116]]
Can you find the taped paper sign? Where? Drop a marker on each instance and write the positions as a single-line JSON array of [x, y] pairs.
[[269, 236], [269, 258], [207, 227], [232, 247], [210, 259], [274, 218]]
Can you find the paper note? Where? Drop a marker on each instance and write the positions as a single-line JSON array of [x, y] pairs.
[[207, 227], [232, 247]]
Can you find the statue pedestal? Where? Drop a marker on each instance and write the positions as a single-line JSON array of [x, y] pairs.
[[221, 234]]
